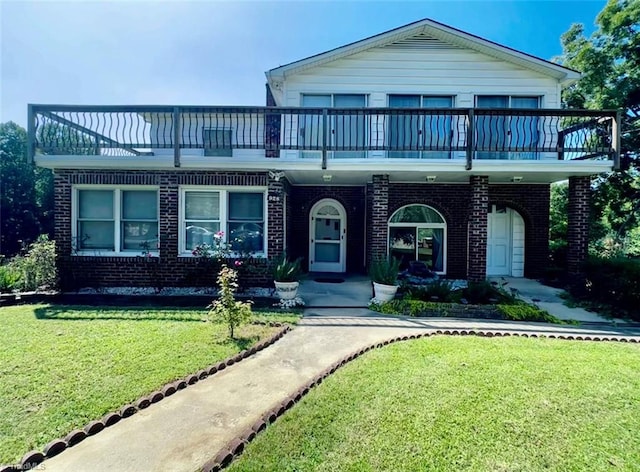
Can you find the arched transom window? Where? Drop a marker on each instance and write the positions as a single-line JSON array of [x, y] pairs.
[[418, 233]]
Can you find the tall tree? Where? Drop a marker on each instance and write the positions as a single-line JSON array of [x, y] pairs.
[[610, 63], [18, 211]]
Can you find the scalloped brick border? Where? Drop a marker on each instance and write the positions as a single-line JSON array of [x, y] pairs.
[[237, 445], [33, 458]]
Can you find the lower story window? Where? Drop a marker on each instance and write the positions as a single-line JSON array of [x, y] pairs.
[[235, 216], [418, 233], [116, 220]]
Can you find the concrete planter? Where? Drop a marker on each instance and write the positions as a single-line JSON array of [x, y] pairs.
[[287, 290], [384, 293]]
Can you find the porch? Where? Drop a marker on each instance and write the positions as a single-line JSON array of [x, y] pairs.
[[454, 140]]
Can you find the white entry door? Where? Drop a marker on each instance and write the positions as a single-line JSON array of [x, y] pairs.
[[327, 237], [499, 241]]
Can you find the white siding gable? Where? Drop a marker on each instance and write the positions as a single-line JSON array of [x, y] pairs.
[[421, 64]]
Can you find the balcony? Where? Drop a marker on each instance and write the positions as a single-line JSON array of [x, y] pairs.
[[322, 135]]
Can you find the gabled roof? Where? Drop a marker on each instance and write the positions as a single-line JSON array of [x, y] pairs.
[[437, 31]]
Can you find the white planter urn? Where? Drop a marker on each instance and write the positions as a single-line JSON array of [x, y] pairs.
[[384, 293], [287, 290]]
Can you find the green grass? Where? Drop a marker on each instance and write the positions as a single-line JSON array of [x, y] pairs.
[[63, 366], [465, 403]]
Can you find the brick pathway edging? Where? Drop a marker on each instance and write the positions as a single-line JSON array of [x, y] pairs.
[[236, 446], [33, 458]]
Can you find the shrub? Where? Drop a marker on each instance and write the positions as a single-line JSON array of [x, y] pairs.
[[525, 312], [613, 282], [438, 290], [385, 271], [9, 278], [37, 268], [226, 308]]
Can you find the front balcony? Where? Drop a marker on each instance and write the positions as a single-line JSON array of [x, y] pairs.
[[325, 138]]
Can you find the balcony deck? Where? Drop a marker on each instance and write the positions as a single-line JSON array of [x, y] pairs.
[[453, 141]]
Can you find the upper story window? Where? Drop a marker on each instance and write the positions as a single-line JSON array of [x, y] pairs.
[[237, 216], [116, 220], [413, 133], [345, 131], [499, 132]]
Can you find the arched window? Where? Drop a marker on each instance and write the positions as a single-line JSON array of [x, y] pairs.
[[418, 233]]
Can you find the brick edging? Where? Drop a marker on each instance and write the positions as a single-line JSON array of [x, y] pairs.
[[237, 445], [33, 458]]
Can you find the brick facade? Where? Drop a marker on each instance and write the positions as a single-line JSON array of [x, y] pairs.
[[169, 269], [378, 217], [478, 207], [302, 199], [463, 206], [578, 231]]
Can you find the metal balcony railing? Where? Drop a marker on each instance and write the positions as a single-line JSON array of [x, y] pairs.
[[325, 133]]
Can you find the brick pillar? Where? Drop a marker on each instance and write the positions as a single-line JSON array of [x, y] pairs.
[[379, 217], [62, 229], [168, 231], [477, 265], [578, 230], [275, 212]]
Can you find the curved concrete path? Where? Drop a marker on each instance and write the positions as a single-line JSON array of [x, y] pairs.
[[183, 431]]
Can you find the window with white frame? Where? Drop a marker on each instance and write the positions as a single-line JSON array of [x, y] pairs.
[[238, 214], [418, 233], [118, 220]]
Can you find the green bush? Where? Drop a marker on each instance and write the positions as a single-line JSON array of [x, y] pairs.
[[9, 278], [409, 307], [36, 269], [438, 290], [525, 312], [612, 282], [385, 271], [285, 270]]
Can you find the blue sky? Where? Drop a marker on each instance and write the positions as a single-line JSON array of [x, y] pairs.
[[214, 52]]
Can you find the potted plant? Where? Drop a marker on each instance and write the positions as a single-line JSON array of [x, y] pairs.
[[384, 275], [286, 274]]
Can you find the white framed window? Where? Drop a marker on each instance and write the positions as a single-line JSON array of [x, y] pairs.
[[421, 131], [419, 233], [239, 213], [115, 220]]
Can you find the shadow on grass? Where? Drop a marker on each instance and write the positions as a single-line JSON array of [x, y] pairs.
[[92, 313]]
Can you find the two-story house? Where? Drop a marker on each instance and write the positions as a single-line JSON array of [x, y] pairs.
[[423, 143]]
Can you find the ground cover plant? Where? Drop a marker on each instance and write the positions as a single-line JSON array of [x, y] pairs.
[[63, 366], [465, 403]]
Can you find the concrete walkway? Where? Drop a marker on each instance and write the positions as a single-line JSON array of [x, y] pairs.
[[183, 431], [548, 298]]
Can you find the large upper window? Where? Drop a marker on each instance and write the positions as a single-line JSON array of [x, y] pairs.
[[116, 220], [237, 214], [346, 131], [499, 132], [414, 132], [217, 142], [418, 233]]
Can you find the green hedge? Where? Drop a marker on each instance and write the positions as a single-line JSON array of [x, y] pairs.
[[613, 282]]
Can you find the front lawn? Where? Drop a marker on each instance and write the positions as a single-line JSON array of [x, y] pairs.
[[465, 403], [63, 366]]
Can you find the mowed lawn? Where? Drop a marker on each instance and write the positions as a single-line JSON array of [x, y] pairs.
[[61, 367], [465, 403]]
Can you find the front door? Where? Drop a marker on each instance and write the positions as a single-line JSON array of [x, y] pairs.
[[499, 241], [327, 237]]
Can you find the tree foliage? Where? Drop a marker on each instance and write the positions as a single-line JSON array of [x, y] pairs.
[[610, 63], [26, 193]]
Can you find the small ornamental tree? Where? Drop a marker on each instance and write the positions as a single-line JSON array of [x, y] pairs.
[[226, 308]]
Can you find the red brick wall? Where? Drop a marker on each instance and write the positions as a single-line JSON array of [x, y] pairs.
[[302, 199], [478, 207], [453, 201], [578, 231], [168, 269]]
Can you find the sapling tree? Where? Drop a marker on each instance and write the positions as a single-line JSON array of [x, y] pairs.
[[226, 308]]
